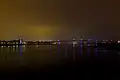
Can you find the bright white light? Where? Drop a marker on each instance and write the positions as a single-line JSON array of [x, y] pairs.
[[24, 42], [118, 41], [74, 42]]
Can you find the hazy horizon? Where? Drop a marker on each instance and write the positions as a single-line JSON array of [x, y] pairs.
[[59, 19]]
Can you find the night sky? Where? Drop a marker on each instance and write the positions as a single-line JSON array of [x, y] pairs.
[[59, 19]]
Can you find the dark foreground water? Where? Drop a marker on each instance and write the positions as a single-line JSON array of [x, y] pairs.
[[35, 62]]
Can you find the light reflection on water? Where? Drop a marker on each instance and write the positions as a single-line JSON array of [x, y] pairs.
[[58, 50], [96, 52], [66, 51], [81, 49], [47, 54], [13, 49], [20, 50], [88, 51], [74, 54]]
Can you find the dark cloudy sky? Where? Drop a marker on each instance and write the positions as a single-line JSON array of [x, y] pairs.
[[59, 19]]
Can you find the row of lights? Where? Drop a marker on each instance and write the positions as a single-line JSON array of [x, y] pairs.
[[13, 43], [12, 46], [45, 40]]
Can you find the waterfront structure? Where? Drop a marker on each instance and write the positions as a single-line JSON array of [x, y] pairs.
[[73, 41], [11, 42]]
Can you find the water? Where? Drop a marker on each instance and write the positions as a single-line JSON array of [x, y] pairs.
[[44, 57]]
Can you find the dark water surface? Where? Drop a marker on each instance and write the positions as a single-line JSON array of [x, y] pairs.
[[58, 59]]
